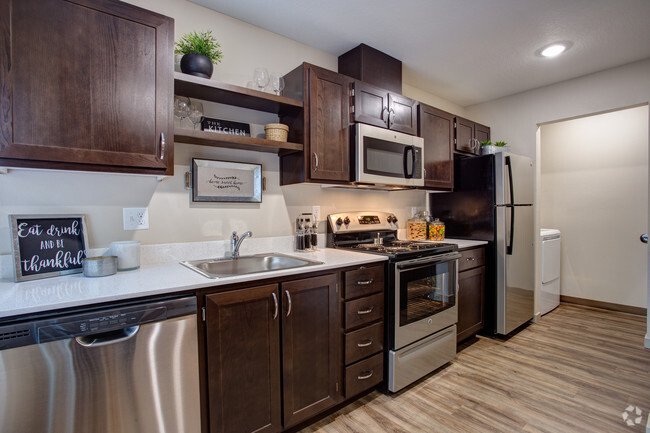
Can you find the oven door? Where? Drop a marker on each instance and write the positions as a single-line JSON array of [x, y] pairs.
[[425, 297]]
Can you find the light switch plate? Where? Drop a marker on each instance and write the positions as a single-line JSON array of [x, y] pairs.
[[135, 218]]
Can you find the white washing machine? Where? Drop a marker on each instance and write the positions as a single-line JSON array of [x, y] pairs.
[[550, 269]]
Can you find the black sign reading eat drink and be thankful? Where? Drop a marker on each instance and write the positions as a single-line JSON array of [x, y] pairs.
[[48, 245]]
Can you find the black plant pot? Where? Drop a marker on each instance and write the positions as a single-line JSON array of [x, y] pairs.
[[196, 64]]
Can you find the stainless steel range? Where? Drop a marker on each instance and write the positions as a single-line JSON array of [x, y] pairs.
[[420, 294]]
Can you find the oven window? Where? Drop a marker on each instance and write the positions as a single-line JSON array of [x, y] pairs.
[[425, 291]]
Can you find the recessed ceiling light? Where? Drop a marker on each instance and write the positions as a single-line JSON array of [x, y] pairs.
[[554, 49]]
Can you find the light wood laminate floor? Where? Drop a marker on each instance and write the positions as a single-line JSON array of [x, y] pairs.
[[576, 370]]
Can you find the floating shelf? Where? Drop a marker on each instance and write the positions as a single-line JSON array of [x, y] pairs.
[[210, 90], [214, 139]]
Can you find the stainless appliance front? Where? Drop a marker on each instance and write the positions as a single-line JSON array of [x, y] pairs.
[[424, 315], [387, 157], [117, 370]]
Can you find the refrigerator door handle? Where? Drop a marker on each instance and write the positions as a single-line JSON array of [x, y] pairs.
[[512, 231], [511, 206]]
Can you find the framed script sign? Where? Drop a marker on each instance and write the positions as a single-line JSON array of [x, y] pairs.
[[226, 181], [47, 245]]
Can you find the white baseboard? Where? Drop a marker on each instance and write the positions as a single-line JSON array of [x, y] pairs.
[[646, 343]]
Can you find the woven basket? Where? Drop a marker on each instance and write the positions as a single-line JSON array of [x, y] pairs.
[[276, 131]]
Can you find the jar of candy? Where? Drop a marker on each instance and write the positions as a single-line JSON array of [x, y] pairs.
[[417, 228], [437, 230]]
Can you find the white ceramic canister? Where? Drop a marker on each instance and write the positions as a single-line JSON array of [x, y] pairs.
[[128, 254]]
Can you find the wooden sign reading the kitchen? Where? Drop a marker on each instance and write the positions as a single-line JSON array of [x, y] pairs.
[[47, 245]]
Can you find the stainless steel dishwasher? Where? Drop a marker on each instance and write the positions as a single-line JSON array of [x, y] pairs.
[[119, 369]]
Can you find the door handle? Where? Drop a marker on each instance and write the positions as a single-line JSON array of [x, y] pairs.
[[106, 338], [286, 292], [275, 303], [644, 238]]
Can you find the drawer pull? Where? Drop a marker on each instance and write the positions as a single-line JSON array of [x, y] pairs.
[[470, 259], [368, 311], [365, 343], [365, 283], [366, 375]]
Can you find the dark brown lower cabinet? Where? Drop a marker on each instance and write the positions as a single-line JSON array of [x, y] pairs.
[[471, 293], [252, 375]]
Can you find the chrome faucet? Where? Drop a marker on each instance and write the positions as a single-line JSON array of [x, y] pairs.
[[235, 243]]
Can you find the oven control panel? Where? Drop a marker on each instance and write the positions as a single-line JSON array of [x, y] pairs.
[[362, 221]]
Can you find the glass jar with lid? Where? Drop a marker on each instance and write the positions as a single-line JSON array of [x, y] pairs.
[[436, 230], [416, 228]]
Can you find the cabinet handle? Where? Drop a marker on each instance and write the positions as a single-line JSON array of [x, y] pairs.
[[162, 145], [315, 161], [365, 343], [365, 283], [470, 259], [366, 375], [275, 302], [368, 311], [391, 117], [286, 292], [386, 116]]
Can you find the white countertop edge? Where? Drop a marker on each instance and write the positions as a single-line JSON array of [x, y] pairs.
[[51, 294]]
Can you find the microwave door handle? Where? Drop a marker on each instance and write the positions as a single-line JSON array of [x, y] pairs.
[[408, 149]]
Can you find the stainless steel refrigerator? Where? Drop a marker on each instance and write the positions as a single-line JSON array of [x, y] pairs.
[[493, 201]]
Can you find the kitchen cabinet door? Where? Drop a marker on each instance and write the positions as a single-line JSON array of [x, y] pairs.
[[310, 345], [375, 106], [471, 292], [243, 360], [469, 135], [329, 132], [86, 85], [437, 129]]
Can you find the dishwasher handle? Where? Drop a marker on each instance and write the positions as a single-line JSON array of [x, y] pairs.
[[107, 338]]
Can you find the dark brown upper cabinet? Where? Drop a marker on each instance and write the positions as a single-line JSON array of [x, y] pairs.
[[323, 126], [437, 129], [376, 106], [469, 135], [86, 85]]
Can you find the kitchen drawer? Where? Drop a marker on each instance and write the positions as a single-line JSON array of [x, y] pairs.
[[364, 375], [471, 259], [364, 310], [364, 342], [363, 281]]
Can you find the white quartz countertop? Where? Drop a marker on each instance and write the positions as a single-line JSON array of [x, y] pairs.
[[161, 273]]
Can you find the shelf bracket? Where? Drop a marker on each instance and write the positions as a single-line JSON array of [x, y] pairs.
[[188, 180]]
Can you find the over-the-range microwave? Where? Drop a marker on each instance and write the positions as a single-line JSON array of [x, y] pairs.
[[387, 157]]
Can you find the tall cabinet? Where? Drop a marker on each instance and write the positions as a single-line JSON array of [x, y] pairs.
[[86, 85]]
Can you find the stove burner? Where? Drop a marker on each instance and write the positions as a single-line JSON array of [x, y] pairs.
[[399, 246]]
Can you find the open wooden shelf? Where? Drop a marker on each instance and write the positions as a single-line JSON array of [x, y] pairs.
[[215, 139], [210, 90]]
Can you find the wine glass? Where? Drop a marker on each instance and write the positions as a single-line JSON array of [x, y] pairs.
[[181, 107], [277, 83], [196, 113], [261, 78]]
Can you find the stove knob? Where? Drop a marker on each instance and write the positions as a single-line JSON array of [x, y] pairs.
[[393, 219], [346, 221], [339, 222]]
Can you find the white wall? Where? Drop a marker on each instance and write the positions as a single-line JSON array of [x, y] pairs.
[[173, 217], [594, 188]]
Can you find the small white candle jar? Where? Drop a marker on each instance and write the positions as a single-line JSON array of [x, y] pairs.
[[128, 254]]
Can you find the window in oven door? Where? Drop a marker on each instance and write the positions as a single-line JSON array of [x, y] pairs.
[[425, 289]]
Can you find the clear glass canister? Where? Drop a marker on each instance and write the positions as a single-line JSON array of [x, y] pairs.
[[436, 230], [417, 228]]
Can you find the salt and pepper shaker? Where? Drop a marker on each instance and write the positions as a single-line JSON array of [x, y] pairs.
[[306, 233]]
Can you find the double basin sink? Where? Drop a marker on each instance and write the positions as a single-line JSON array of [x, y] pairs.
[[233, 266]]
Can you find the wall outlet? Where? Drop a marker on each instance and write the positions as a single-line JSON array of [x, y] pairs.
[[315, 212], [135, 218]]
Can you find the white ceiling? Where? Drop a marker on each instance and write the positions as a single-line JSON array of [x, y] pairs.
[[466, 51]]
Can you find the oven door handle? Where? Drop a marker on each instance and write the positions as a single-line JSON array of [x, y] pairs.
[[418, 263]]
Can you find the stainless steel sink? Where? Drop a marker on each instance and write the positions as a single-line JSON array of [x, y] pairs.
[[229, 267]]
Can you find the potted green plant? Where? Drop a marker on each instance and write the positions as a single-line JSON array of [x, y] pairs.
[[487, 147], [200, 51]]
